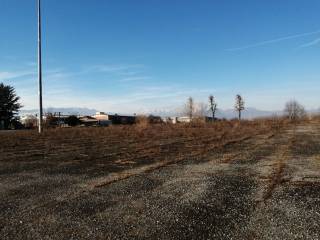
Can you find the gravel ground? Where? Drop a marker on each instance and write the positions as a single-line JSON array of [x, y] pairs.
[[267, 187]]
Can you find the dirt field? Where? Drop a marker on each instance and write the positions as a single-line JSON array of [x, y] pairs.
[[257, 180]]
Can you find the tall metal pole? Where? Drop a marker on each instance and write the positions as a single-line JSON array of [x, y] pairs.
[[39, 68]]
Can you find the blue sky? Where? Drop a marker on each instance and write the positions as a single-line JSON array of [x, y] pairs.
[[145, 55]]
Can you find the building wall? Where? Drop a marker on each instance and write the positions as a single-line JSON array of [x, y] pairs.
[[101, 116], [115, 119]]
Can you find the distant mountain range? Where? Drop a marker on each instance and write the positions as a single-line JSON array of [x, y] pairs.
[[67, 111], [248, 113]]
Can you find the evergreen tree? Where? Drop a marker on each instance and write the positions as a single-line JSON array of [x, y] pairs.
[[9, 105]]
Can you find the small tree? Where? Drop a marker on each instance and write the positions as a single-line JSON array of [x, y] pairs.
[[72, 120], [294, 110], [9, 105], [30, 121], [201, 110], [239, 105], [189, 108], [212, 106], [51, 120]]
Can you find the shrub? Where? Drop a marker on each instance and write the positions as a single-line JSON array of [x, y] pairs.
[[72, 120]]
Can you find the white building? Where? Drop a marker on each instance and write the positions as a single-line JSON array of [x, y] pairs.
[[101, 116]]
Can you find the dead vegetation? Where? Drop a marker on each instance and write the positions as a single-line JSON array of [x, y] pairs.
[[102, 150], [100, 183]]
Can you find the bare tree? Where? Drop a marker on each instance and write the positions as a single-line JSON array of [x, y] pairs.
[[212, 106], [51, 120], [201, 110], [189, 108], [30, 121], [239, 105], [294, 110]]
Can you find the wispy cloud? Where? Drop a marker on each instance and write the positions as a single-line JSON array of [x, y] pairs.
[[55, 86], [60, 86], [112, 68], [122, 72], [131, 79], [271, 41], [130, 73], [15, 74], [312, 43], [31, 64]]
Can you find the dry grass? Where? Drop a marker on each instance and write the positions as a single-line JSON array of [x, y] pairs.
[[118, 147], [76, 177]]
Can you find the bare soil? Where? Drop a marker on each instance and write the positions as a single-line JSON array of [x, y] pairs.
[[256, 180]]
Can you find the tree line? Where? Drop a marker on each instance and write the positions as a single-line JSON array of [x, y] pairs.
[[293, 110], [202, 110], [10, 105]]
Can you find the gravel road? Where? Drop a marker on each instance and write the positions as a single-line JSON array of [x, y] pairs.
[[266, 187]]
